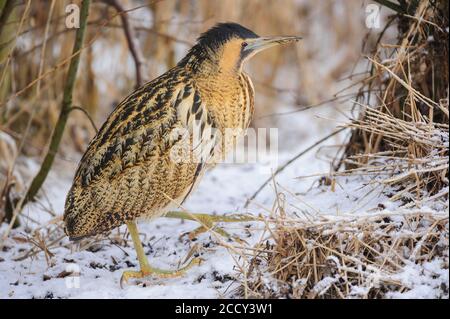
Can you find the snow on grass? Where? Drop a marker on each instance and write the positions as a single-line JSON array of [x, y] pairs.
[[223, 190], [427, 281]]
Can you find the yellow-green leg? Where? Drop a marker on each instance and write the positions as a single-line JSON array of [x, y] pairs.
[[207, 222], [145, 268]]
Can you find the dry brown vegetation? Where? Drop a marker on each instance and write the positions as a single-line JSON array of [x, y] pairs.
[[402, 132], [355, 257], [400, 139]]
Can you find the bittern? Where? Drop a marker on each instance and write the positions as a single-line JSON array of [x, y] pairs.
[[128, 171]]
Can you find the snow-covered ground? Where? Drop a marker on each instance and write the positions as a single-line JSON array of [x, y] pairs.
[[223, 190], [100, 266]]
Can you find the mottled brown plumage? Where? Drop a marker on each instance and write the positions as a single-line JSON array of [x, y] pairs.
[[156, 144], [129, 170]]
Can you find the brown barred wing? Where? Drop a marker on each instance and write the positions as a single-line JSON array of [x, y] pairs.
[[128, 170]]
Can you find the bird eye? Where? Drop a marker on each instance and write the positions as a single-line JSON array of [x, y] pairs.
[[244, 44]]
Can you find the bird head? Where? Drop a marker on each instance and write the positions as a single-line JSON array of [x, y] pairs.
[[227, 46]]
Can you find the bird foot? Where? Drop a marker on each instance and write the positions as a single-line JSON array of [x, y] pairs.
[[207, 223], [192, 235], [161, 273]]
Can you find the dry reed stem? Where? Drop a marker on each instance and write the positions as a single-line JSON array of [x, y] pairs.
[[358, 256]]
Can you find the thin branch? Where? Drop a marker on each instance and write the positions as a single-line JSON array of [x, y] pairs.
[[79, 108], [133, 44], [391, 5], [296, 157]]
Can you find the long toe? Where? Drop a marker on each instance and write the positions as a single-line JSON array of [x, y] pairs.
[[131, 274], [156, 272]]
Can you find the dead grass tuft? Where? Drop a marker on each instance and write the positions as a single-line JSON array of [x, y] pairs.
[[415, 160], [402, 131], [358, 257]]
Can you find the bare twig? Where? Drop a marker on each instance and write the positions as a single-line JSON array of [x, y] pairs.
[[391, 5], [133, 44], [296, 157], [83, 110]]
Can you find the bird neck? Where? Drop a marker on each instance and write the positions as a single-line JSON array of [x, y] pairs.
[[203, 61], [212, 77], [219, 84], [225, 97]]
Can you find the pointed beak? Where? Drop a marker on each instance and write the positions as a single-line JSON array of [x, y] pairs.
[[259, 44]]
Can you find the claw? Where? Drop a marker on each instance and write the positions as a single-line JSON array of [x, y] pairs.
[[162, 273], [128, 274], [192, 235]]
